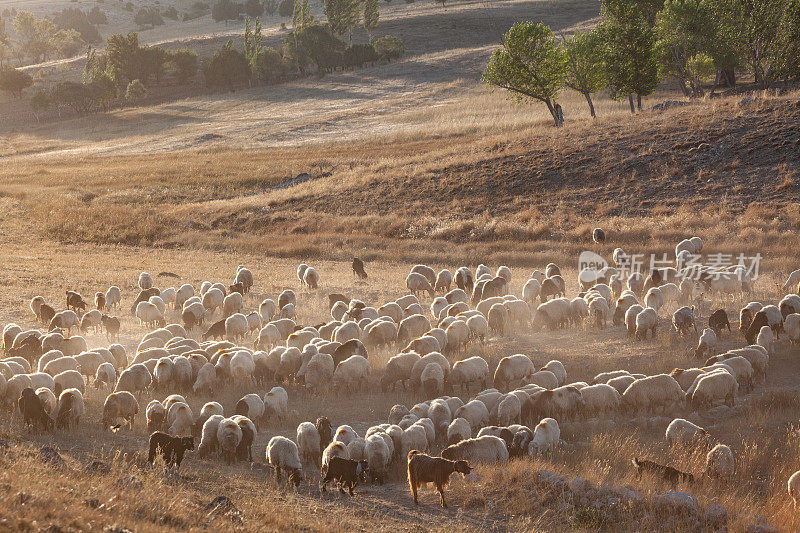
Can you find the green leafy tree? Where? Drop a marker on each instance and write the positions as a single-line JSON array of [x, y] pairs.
[[343, 16], [35, 35], [183, 64], [96, 16], [124, 62], [227, 68], [103, 90], [40, 102], [67, 42], [684, 29], [297, 14], [253, 8], [530, 66], [585, 53], [371, 15], [76, 96], [388, 48], [14, 81], [135, 91], [75, 19], [314, 44], [270, 67], [225, 10], [631, 61], [757, 32]]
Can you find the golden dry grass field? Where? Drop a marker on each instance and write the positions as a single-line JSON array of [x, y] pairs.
[[410, 162]]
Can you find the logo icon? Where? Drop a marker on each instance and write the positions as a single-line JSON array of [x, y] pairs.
[[589, 266]]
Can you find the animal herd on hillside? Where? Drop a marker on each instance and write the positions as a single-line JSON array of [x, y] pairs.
[[221, 345]]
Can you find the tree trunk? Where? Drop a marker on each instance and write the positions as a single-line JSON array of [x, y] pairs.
[[682, 83], [630, 101], [639, 101], [730, 76], [553, 112], [591, 105]]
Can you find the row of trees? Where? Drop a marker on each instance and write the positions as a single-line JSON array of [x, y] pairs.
[[310, 44], [66, 34], [640, 42]]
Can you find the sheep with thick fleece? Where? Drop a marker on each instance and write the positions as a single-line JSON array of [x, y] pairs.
[[543, 378], [487, 449], [791, 325], [720, 463], [557, 368], [757, 355], [308, 443], [712, 388], [242, 366], [105, 374], [530, 291], [601, 399], [345, 434], [646, 321], [417, 283], [411, 327], [415, 437], [681, 431], [179, 419], [551, 314], [598, 308], [620, 383], [378, 456], [319, 371], [661, 391], [424, 345], [70, 379], [509, 410], [59, 365], [229, 435], [441, 416], [458, 430], [398, 368], [276, 403], [742, 371], [70, 409], [149, 315], [120, 405], [512, 370], [457, 335], [546, 436], [475, 412], [766, 338], [706, 343], [654, 298], [467, 371], [208, 436], [419, 366], [791, 281], [352, 374], [283, 456], [432, 379]]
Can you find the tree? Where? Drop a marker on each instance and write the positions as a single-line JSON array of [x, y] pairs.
[[75, 19], [343, 15], [148, 16], [270, 6], [103, 91], [35, 35], [315, 44], [529, 66], [67, 42], [371, 15], [40, 101], [183, 64], [5, 53], [76, 96], [253, 8], [301, 14], [389, 47], [227, 68], [96, 16], [14, 81], [684, 29], [631, 61], [135, 91], [585, 65], [269, 66], [225, 10]]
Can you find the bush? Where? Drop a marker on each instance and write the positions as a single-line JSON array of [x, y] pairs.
[[227, 68], [75, 19], [14, 81], [148, 16], [183, 64], [270, 6], [225, 10], [286, 8], [359, 54], [253, 8], [135, 91], [96, 16], [315, 44], [76, 96], [171, 13], [270, 67], [389, 47]]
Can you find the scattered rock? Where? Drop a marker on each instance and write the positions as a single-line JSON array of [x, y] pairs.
[[677, 500], [668, 104], [223, 506], [51, 456], [208, 137], [716, 515], [580, 485]]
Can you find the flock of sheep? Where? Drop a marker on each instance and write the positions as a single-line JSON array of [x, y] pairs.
[[220, 345]]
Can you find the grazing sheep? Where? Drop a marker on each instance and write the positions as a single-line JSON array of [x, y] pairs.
[[172, 448], [512, 370], [766, 338], [308, 443], [206, 378], [334, 449], [486, 449], [464, 279], [551, 314], [276, 403], [311, 278], [398, 368], [352, 374], [179, 418], [713, 387], [600, 399], [432, 379], [475, 412], [208, 439], [467, 371], [648, 394], [70, 409], [251, 406], [720, 463], [458, 430], [646, 320], [229, 436], [120, 405], [546, 436], [792, 327], [706, 343], [417, 283], [681, 431], [683, 320]]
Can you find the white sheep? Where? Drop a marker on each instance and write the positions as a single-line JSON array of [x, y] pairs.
[[206, 378], [105, 374], [179, 418], [276, 403], [498, 318], [162, 374], [417, 283], [311, 278], [531, 290], [69, 379], [509, 410], [441, 416], [551, 314], [646, 320], [444, 279], [319, 371], [630, 318], [600, 399], [512, 370], [334, 449], [412, 326], [229, 435], [543, 378], [352, 374], [720, 463], [149, 315], [766, 338], [598, 308], [378, 455], [70, 408], [156, 414], [49, 400], [212, 300], [415, 437], [467, 371], [706, 343], [355, 450], [308, 443], [113, 297], [250, 405], [713, 387], [145, 281], [654, 298], [546, 436], [120, 405], [208, 435], [487, 449], [475, 412], [457, 334], [458, 430], [661, 391], [681, 431]]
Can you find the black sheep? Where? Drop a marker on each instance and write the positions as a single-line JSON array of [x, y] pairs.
[[172, 448]]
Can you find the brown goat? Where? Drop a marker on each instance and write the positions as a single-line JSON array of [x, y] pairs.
[[424, 469], [358, 268], [667, 473], [111, 323], [33, 411]]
